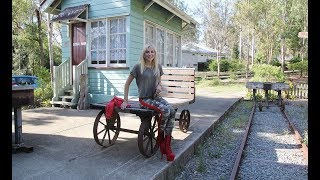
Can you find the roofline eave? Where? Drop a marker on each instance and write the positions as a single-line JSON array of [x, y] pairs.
[[173, 9]]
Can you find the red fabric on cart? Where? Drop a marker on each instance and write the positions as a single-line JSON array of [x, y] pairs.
[[115, 102]]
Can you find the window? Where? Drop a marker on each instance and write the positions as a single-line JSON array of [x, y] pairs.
[[149, 34], [108, 43], [118, 41], [169, 54], [168, 45], [98, 42], [160, 46]]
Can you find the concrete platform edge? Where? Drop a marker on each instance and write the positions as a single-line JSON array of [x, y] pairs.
[[173, 168]]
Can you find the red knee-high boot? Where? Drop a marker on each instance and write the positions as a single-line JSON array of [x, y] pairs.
[[160, 142], [168, 151]]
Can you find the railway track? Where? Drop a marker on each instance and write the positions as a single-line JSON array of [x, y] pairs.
[[252, 144], [271, 147]]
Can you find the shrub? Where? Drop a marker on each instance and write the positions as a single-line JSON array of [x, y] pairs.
[[43, 94], [302, 66], [267, 73]]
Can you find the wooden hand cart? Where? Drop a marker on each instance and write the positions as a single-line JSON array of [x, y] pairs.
[[178, 88], [267, 86]]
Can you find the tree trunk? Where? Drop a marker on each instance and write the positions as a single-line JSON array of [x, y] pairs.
[[218, 63], [38, 14], [49, 24], [282, 54], [240, 46], [252, 49], [247, 64]]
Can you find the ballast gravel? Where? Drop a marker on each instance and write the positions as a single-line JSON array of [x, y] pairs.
[[271, 151]]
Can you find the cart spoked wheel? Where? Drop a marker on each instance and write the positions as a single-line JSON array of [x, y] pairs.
[[184, 121], [147, 136], [106, 131]]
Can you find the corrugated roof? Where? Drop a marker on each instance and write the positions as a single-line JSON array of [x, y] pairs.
[[197, 48], [70, 13]]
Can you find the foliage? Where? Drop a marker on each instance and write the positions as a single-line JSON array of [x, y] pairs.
[[44, 93], [235, 52], [227, 65], [260, 58], [295, 59], [301, 66], [236, 65], [44, 76], [275, 62], [224, 65], [268, 23], [30, 51], [267, 73], [213, 65]]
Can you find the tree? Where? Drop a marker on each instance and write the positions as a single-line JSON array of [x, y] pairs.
[[217, 24], [29, 42], [275, 24]]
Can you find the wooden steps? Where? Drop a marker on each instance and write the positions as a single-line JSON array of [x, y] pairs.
[[64, 101]]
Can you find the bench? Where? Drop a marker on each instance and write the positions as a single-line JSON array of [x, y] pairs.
[[178, 88]]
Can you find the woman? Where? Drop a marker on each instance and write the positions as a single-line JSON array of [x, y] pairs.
[[148, 78]]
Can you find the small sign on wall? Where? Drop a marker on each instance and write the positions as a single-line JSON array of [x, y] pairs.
[[79, 44]]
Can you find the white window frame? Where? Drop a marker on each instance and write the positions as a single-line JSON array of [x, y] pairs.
[[108, 45], [176, 46]]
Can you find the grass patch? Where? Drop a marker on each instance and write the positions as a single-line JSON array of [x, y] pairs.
[[218, 86]]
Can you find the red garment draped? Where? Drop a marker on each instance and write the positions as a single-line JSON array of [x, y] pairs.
[[115, 102]]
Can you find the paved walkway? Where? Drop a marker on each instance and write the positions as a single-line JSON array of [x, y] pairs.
[[64, 148]]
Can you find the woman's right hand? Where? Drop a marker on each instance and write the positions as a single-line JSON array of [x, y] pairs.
[[124, 105]]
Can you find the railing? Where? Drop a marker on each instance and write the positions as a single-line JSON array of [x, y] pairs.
[[61, 78], [81, 68]]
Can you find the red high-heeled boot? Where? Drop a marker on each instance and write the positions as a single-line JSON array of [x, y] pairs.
[[160, 142], [168, 151]]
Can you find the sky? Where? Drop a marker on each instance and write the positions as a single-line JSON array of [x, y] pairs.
[[191, 5]]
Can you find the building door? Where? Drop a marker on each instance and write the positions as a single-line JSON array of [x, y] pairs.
[[78, 42], [78, 45]]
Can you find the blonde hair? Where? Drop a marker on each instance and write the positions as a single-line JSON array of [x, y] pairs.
[[154, 63]]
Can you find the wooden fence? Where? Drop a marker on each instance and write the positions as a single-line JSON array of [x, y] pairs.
[[226, 75], [299, 88]]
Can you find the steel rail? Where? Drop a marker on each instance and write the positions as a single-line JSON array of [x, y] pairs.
[[242, 146], [297, 136]]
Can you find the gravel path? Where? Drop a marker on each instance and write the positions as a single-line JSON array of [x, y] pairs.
[[271, 153]]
